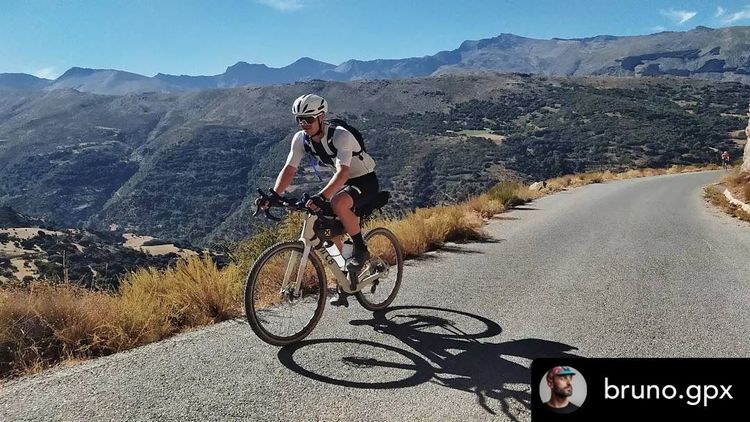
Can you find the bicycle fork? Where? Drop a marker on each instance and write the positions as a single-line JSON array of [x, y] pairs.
[[294, 290]]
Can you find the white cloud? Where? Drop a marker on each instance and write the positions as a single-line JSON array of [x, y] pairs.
[[283, 5], [46, 73], [720, 12], [737, 16], [658, 28], [680, 16]]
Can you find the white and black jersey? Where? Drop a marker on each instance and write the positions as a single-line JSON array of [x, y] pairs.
[[346, 146]]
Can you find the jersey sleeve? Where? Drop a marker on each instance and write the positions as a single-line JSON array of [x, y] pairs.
[[297, 151], [345, 144]]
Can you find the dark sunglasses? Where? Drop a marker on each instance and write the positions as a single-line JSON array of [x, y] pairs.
[[306, 119]]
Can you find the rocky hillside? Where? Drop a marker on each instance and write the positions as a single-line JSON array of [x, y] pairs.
[[31, 249], [186, 166]]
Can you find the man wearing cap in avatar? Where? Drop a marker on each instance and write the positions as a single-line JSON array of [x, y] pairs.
[[560, 382]]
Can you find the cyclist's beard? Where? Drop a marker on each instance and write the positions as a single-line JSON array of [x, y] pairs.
[[562, 392]]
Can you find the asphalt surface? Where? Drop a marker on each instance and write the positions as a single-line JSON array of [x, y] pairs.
[[638, 268]]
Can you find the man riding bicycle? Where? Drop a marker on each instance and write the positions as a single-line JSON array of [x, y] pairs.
[[725, 158], [354, 181]]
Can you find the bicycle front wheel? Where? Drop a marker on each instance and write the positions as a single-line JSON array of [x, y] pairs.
[[278, 311], [387, 259]]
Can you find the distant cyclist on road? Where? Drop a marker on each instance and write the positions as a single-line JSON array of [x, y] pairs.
[[725, 159], [353, 183]]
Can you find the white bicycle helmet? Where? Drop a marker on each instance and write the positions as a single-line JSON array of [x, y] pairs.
[[309, 105]]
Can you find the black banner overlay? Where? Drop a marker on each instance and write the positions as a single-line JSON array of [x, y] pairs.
[[613, 389]]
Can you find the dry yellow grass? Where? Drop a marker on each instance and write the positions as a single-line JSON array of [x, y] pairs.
[[193, 293], [506, 193], [717, 198], [427, 229], [43, 324], [526, 194], [485, 206], [739, 183]]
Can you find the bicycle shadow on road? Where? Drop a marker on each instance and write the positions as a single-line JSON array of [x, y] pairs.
[[444, 348]]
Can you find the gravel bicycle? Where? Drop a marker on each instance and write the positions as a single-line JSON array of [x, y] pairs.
[[286, 289]]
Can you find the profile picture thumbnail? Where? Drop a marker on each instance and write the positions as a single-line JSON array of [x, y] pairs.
[[563, 389]]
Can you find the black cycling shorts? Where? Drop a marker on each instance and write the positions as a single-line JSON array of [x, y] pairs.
[[362, 189]]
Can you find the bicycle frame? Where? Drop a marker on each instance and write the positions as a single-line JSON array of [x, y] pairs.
[[311, 245]]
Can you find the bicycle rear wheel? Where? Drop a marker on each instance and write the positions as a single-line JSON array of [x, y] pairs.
[[275, 312], [387, 259]]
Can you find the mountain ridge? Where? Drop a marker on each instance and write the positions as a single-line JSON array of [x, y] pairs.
[[703, 52]]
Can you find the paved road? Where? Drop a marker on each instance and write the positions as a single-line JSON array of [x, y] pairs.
[[640, 268]]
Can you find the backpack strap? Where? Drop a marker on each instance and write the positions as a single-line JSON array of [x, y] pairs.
[[333, 124], [329, 139], [316, 149]]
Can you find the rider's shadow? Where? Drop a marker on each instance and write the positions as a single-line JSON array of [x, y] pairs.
[[448, 352]]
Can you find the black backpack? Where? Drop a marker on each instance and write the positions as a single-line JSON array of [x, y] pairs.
[[316, 149]]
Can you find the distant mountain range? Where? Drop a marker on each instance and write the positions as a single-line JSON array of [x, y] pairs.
[[716, 54]]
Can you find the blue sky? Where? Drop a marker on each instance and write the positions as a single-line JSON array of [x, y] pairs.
[[196, 37]]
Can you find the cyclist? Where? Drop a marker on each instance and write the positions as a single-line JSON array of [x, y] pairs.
[[725, 159], [354, 181]]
